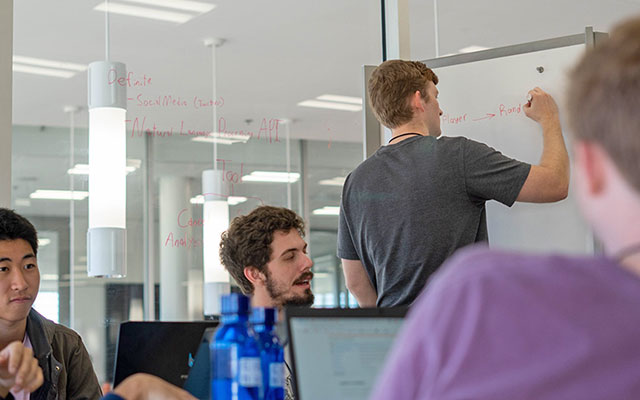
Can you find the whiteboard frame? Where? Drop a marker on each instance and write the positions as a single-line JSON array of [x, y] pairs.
[[589, 38]]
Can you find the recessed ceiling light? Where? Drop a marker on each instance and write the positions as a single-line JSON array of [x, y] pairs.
[[185, 5], [337, 181], [43, 242], [272, 176], [329, 105], [231, 200], [204, 139], [234, 200], [471, 49], [41, 62], [83, 169], [327, 210], [59, 195], [221, 138], [58, 73], [23, 203], [340, 99], [144, 12]]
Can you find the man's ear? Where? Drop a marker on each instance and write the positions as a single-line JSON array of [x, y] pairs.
[[416, 100], [591, 161], [254, 275]]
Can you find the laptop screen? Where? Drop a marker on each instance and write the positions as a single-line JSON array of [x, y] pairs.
[[338, 353], [163, 349]]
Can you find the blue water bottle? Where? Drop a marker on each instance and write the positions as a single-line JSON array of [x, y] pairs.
[[263, 321], [235, 356]]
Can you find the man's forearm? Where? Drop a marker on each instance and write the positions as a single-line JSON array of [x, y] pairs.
[[554, 153], [549, 180], [365, 295], [358, 283]]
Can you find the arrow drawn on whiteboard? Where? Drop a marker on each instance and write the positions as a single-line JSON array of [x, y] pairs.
[[489, 115]]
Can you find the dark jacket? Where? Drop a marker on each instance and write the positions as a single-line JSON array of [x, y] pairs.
[[66, 366]]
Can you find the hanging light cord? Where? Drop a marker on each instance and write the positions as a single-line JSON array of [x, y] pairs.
[[106, 31]]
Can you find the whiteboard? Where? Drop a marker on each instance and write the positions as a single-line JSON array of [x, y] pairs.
[[482, 100]]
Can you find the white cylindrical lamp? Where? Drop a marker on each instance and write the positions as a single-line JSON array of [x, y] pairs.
[[106, 237], [215, 221]]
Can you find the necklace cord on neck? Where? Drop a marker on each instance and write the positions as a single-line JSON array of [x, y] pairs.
[[404, 134]]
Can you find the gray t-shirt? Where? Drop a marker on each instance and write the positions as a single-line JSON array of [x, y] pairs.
[[411, 205]]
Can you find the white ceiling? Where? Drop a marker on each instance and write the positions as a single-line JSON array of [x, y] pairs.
[[276, 53]]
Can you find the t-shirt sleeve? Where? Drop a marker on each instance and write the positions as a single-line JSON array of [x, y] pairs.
[[490, 175], [346, 249]]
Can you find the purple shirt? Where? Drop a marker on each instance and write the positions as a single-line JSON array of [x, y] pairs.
[[496, 325]]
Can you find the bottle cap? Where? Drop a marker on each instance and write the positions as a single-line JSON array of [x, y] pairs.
[[261, 315], [235, 303]]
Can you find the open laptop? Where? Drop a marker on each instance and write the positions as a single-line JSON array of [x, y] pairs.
[[338, 353], [163, 349], [198, 382]]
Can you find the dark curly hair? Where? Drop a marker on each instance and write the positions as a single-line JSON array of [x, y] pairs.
[[247, 242], [14, 226]]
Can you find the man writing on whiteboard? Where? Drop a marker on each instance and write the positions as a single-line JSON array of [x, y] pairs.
[[502, 325], [409, 206]]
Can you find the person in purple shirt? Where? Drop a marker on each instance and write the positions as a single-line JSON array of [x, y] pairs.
[[500, 325]]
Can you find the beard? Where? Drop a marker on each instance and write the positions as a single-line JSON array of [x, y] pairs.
[[281, 296]]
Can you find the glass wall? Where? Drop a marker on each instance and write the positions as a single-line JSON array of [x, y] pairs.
[[266, 111], [283, 99]]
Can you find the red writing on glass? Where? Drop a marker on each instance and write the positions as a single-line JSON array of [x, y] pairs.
[[229, 175], [202, 103], [175, 101], [140, 128], [185, 241], [190, 223], [129, 80], [268, 128], [161, 101]]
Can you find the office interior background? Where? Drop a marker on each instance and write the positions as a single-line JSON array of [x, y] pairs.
[[288, 100]]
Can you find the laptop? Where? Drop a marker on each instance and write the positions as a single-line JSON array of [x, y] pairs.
[[163, 349], [198, 381], [338, 353]]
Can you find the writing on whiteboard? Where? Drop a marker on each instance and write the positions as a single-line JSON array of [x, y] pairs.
[[453, 119], [501, 110], [504, 110]]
